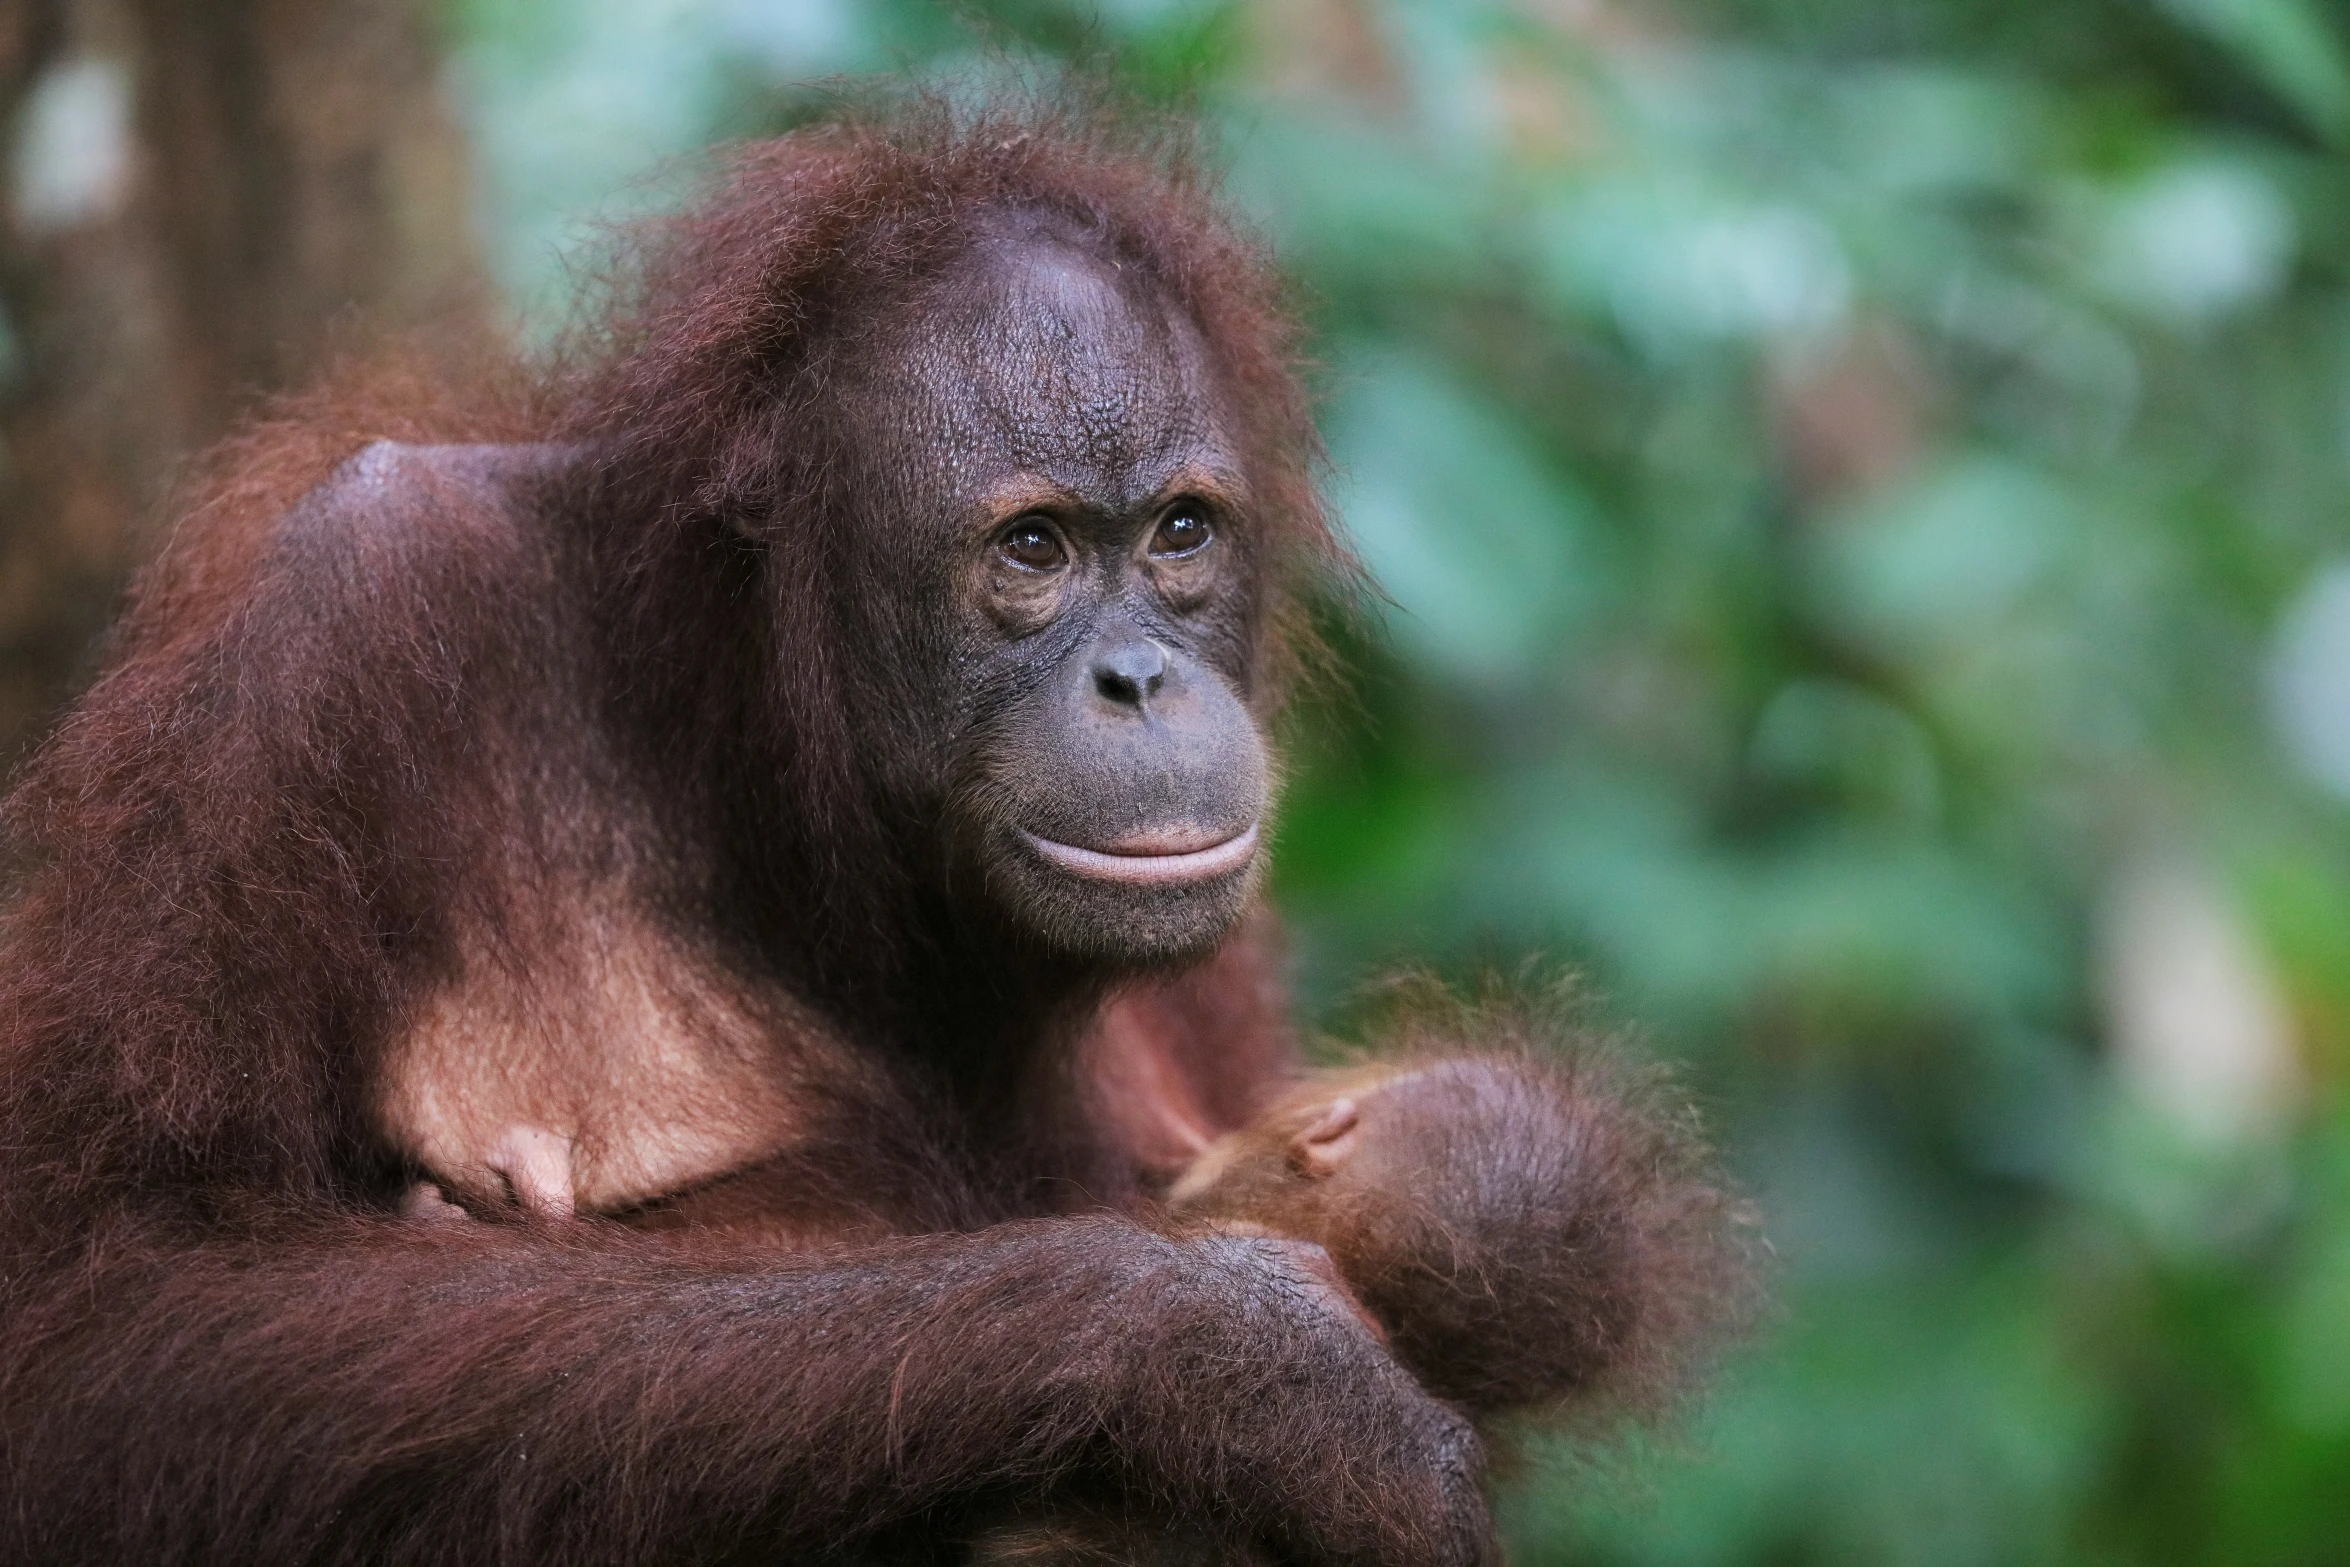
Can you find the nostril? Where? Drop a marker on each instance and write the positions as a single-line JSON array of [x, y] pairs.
[[1131, 672]]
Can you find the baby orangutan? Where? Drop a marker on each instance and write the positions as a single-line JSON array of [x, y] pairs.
[[1524, 1229]]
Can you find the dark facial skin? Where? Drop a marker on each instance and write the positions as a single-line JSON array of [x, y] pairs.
[[1070, 600]]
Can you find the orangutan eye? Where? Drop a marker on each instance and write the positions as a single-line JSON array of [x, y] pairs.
[[1183, 531], [1033, 546]]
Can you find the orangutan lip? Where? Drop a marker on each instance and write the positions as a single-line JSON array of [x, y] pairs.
[[1140, 862]]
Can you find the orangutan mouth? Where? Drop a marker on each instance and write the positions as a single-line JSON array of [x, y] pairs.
[[1155, 861]]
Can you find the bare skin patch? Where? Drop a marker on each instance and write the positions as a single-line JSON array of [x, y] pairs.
[[1144, 1092], [592, 1072]]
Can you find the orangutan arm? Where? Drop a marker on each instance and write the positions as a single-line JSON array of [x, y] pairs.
[[390, 1392]]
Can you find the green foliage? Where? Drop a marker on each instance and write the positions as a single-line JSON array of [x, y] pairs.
[[1856, 482]]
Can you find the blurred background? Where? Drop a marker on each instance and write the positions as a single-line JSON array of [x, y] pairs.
[[1862, 485]]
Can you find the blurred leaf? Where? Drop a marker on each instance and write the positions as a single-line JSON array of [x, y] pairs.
[[2194, 239], [1944, 560], [1675, 264], [1486, 555], [2289, 45]]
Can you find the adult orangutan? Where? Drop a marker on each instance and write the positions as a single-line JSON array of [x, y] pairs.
[[612, 965]]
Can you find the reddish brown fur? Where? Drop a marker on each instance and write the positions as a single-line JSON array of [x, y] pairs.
[[1533, 1222], [335, 764]]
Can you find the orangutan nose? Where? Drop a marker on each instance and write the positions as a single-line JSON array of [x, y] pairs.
[[1129, 672]]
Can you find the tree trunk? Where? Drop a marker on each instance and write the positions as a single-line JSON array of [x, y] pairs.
[[203, 197]]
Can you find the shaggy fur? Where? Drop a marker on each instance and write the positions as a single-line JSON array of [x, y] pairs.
[[1534, 1223], [552, 738]]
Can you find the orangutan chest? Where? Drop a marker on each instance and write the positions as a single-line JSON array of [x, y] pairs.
[[591, 1073]]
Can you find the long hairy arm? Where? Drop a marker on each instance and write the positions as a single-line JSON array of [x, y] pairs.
[[369, 1390]]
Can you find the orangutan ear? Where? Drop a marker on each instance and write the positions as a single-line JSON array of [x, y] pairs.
[[1321, 1148]]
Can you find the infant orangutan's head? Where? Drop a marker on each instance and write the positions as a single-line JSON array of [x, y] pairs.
[[1528, 1226]]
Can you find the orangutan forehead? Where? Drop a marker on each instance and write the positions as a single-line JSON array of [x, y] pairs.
[[1039, 358]]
